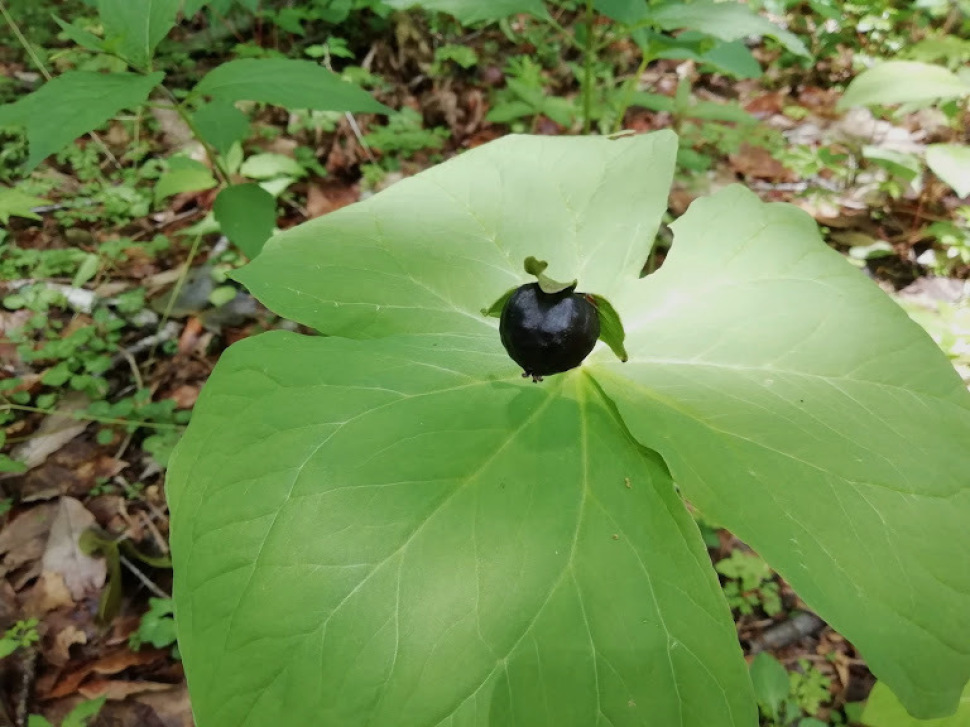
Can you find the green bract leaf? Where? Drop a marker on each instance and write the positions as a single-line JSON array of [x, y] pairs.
[[951, 163], [246, 214], [797, 405], [611, 327], [725, 20], [474, 11], [284, 82], [896, 82], [429, 253], [136, 27], [403, 533], [73, 104]]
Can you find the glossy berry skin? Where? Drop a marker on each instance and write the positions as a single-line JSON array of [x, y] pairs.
[[548, 333]]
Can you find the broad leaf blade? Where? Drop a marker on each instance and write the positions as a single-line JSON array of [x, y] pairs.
[[429, 253], [895, 82], [137, 26], [73, 104], [402, 534], [884, 710], [724, 20], [623, 11], [285, 82], [798, 405], [474, 11], [246, 214]]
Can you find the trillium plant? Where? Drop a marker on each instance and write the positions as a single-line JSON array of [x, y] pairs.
[[387, 525]]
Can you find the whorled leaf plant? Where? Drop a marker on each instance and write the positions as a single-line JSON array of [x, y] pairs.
[[387, 525]]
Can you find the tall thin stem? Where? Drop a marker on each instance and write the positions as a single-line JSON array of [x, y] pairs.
[[588, 53]]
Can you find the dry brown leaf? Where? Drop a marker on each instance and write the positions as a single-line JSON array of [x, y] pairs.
[[109, 664], [60, 652], [172, 708], [48, 594], [119, 689], [54, 432], [22, 544], [63, 555]]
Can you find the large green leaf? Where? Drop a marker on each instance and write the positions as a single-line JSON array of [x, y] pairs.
[[797, 405], [725, 20], [884, 710], [285, 82], [403, 533], [136, 27], [73, 104], [430, 252], [474, 11], [910, 82], [246, 214]]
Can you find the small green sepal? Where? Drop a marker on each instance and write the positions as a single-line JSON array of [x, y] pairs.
[[495, 310], [611, 327], [547, 285]]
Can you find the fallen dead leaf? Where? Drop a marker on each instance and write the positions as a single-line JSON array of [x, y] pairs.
[[118, 690], [54, 432], [22, 544], [113, 663], [172, 708], [48, 594], [60, 652], [63, 555], [756, 162]]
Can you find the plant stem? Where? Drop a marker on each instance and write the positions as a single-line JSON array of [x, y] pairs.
[[588, 53], [166, 314]]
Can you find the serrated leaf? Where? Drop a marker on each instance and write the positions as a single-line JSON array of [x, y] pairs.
[[14, 203], [221, 124], [475, 11], [951, 163], [403, 533], [727, 21], [910, 82], [429, 253], [136, 27], [71, 105], [767, 371], [246, 214], [883, 709], [285, 82]]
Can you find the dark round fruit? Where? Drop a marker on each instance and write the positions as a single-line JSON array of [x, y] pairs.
[[548, 333]]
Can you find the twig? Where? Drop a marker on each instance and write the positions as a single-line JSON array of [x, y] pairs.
[[145, 580], [153, 529]]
